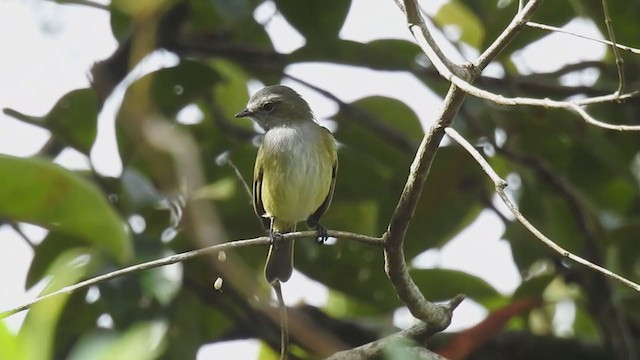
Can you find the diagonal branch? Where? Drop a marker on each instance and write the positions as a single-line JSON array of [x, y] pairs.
[[500, 185]]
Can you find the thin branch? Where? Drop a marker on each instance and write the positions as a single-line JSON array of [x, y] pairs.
[[263, 240], [87, 3], [16, 228], [476, 67], [246, 187], [428, 44], [574, 105], [500, 185], [612, 37], [509, 33], [415, 335], [563, 31]]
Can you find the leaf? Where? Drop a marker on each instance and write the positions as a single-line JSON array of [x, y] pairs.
[[141, 341], [10, 347], [39, 192], [38, 330], [456, 13], [52, 246], [318, 21], [175, 87], [386, 54], [444, 284], [451, 200], [73, 119]]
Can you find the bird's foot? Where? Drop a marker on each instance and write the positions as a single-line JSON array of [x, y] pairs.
[[321, 234], [276, 238]]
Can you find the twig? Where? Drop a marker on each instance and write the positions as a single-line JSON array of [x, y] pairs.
[[509, 33], [88, 3], [612, 38], [573, 105], [247, 189], [263, 240], [428, 44], [500, 184], [21, 233], [463, 81], [563, 31]]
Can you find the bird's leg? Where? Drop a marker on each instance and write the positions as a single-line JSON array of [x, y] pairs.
[[276, 237], [321, 231]]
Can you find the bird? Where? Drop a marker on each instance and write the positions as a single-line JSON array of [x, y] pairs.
[[294, 174]]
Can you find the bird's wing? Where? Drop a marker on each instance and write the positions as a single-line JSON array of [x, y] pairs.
[[258, 207], [314, 218]]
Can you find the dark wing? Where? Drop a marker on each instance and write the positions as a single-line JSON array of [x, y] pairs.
[[257, 198], [313, 219]]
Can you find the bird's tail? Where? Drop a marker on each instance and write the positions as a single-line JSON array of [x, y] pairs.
[[280, 259]]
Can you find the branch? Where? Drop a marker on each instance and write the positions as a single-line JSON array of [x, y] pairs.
[[500, 184], [563, 31], [263, 240], [574, 105], [428, 44], [619, 62], [416, 337], [436, 316]]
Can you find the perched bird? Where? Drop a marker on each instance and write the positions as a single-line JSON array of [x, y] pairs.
[[295, 171]]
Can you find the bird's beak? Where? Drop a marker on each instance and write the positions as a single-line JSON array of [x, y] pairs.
[[244, 113]]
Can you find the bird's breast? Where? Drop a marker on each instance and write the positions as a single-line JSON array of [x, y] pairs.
[[296, 174]]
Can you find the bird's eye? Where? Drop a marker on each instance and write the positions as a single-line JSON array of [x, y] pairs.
[[267, 107]]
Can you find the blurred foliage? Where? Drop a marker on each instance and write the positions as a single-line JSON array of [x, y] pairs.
[[577, 183]]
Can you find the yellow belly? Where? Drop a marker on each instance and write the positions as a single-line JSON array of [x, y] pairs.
[[297, 178]]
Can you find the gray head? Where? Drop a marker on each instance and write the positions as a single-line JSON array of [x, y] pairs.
[[275, 106]]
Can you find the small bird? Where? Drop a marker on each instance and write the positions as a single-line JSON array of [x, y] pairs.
[[295, 171]]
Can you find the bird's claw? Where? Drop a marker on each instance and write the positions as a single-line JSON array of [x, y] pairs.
[[321, 234], [276, 239]]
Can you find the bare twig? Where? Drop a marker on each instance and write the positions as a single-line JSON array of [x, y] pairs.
[[427, 43], [510, 32], [612, 38], [263, 240], [246, 187], [500, 184], [22, 235], [563, 31], [574, 105]]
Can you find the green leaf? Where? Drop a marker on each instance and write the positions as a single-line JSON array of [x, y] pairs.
[[456, 13], [444, 284], [451, 200], [318, 21], [10, 346], [39, 192], [73, 119], [534, 287], [141, 341], [175, 87], [38, 331], [386, 54], [52, 246]]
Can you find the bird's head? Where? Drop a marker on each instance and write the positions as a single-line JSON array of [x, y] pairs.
[[276, 105]]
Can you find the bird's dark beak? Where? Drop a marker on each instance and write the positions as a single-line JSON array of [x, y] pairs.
[[244, 113]]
